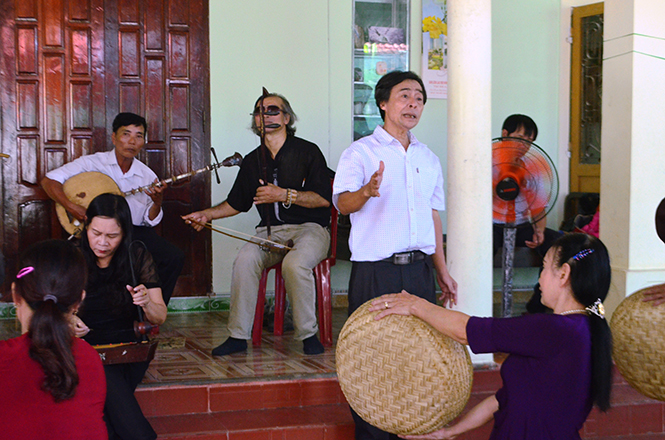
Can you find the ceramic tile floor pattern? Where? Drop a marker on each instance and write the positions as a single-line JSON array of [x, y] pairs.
[[187, 339]]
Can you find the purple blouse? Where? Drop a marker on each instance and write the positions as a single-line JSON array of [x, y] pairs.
[[546, 391]]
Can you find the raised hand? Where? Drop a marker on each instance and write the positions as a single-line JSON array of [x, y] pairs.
[[372, 187]]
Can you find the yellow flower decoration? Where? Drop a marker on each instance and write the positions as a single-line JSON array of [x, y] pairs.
[[435, 26]]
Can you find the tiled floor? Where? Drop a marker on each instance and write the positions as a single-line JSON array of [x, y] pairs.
[[186, 340]]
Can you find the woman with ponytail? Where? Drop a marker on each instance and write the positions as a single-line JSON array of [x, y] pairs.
[[559, 364], [51, 383]]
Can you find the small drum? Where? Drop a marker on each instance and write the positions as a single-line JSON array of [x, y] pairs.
[[638, 333], [400, 374]]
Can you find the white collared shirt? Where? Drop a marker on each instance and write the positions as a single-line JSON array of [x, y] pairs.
[[401, 218], [139, 174]]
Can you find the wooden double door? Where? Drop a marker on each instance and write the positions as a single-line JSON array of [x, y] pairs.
[[67, 67]]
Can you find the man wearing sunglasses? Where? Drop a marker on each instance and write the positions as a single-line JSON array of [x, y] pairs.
[[289, 182]]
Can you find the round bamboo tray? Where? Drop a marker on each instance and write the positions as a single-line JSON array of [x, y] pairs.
[[400, 374], [638, 333]]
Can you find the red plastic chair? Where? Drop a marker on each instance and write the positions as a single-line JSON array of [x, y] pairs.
[[323, 293]]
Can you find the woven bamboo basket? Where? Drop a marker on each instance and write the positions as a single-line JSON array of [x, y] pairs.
[[400, 374], [638, 333]]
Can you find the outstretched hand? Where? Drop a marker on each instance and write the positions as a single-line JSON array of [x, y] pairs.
[[372, 187]]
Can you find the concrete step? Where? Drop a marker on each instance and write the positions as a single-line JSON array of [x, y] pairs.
[[315, 409]]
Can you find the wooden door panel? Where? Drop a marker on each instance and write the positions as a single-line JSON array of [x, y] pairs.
[[585, 103], [68, 67], [154, 63]]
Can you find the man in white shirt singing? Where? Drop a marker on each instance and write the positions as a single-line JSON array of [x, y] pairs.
[[392, 187]]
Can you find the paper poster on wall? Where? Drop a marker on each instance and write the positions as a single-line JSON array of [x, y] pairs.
[[435, 49]]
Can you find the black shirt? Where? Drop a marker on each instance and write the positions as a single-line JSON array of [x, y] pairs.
[[299, 165], [108, 307]]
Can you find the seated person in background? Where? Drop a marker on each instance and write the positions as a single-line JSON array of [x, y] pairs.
[[296, 203], [538, 236], [593, 227], [51, 384], [112, 305], [121, 165]]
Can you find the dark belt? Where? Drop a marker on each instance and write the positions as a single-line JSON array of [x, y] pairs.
[[403, 258]]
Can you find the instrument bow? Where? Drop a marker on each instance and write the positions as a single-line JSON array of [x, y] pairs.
[[265, 244]]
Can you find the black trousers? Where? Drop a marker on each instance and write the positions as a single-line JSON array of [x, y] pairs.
[[122, 413], [370, 280], [168, 258]]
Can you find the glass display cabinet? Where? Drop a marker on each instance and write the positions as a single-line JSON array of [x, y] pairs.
[[380, 45]]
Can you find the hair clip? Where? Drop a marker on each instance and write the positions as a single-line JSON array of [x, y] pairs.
[[581, 254], [23, 272], [597, 308], [50, 297]]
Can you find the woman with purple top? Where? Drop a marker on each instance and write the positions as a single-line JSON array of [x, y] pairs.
[[559, 364]]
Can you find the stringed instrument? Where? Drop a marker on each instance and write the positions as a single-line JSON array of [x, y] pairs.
[[82, 188], [127, 352]]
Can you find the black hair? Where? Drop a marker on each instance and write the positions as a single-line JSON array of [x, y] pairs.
[[390, 80], [59, 272], [126, 119], [111, 206], [286, 108], [590, 278], [517, 121]]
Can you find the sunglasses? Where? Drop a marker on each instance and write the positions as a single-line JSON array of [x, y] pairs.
[[271, 110]]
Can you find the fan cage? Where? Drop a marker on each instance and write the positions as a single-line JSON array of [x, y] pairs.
[[539, 182]]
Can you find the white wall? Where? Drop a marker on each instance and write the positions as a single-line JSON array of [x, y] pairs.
[[296, 48], [302, 49]]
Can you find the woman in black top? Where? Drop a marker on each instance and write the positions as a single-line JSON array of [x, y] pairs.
[[122, 278]]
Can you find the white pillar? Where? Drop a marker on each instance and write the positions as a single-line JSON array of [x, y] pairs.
[[633, 132], [469, 201]]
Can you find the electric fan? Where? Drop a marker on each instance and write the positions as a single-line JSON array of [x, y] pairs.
[[525, 186]]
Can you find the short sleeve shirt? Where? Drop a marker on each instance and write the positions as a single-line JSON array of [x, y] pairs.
[[139, 175], [401, 218], [298, 165]]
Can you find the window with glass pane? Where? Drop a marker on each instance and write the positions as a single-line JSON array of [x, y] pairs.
[[380, 45]]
